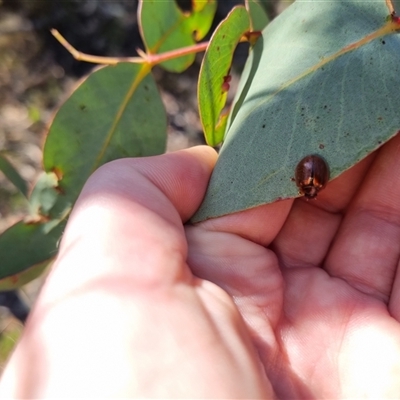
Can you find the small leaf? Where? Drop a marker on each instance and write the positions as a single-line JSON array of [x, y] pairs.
[[12, 175], [117, 112], [164, 27], [258, 16], [214, 74], [26, 245], [44, 195], [323, 79]]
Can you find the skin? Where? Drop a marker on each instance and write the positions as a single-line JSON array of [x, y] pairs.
[[296, 299]]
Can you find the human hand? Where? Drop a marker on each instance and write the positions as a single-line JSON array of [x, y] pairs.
[[314, 283]]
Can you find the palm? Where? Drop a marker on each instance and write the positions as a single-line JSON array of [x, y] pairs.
[[318, 290]]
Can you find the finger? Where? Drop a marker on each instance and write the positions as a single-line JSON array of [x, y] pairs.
[[127, 222], [231, 252], [259, 224], [394, 301], [247, 271], [366, 249], [312, 224], [124, 244]]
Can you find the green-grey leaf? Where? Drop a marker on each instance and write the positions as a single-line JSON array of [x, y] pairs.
[[44, 195], [165, 27], [12, 175], [13, 282], [25, 245], [117, 112], [322, 79], [258, 16]]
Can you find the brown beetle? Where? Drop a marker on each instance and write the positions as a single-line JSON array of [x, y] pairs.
[[312, 175]]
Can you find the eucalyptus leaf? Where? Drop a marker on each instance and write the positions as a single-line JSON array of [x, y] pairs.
[[13, 175], [165, 27], [26, 245], [322, 79], [20, 279], [44, 195], [116, 112], [214, 73], [258, 15]]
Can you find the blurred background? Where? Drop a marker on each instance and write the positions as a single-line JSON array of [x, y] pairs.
[[37, 74]]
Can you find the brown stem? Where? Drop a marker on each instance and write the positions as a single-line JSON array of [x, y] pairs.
[[390, 7], [152, 59]]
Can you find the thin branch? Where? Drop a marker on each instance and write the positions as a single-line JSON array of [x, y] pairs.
[[155, 59], [390, 7], [93, 59], [151, 59]]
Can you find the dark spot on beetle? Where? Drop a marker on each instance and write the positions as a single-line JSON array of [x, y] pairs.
[[312, 175], [321, 146]]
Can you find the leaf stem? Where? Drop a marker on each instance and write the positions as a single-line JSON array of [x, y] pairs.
[[390, 7], [89, 57], [151, 59]]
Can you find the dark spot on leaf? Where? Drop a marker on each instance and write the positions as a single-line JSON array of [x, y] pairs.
[[383, 42], [380, 118], [325, 107], [380, 142], [59, 190], [321, 146], [263, 126], [292, 179], [82, 107]]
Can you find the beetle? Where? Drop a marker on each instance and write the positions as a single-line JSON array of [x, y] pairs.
[[311, 175]]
